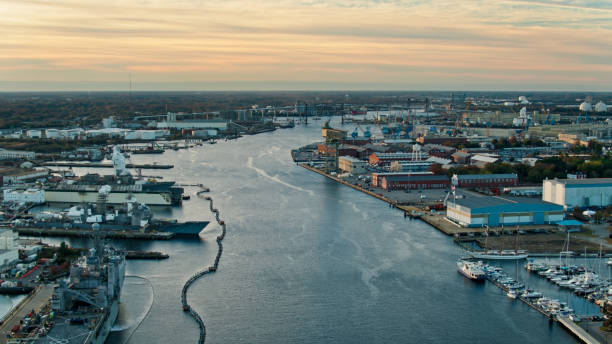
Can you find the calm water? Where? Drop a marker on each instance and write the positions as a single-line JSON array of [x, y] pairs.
[[307, 260]]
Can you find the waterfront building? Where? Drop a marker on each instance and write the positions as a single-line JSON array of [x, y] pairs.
[[410, 166], [10, 175], [35, 196], [406, 181], [351, 165], [484, 180], [477, 211], [193, 124], [13, 154], [584, 193], [385, 159]]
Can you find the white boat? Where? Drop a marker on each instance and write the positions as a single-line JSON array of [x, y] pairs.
[[532, 294], [503, 255], [471, 270], [513, 294]]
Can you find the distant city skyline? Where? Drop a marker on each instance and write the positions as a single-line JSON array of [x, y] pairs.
[[547, 45]]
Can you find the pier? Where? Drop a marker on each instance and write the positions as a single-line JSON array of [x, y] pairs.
[[577, 331], [439, 222], [201, 273]]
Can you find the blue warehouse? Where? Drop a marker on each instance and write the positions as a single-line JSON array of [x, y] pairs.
[[494, 211]]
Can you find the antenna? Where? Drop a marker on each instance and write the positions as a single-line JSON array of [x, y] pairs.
[[130, 92]]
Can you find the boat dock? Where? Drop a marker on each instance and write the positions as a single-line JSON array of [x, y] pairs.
[[106, 165], [78, 233], [577, 331], [521, 298], [564, 321]]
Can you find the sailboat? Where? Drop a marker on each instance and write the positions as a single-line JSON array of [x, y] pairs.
[[501, 254]]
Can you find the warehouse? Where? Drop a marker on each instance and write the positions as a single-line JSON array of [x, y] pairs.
[[477, 211], [407, 182], [484, 180], [351, 165], [384, 159], [584, 193]]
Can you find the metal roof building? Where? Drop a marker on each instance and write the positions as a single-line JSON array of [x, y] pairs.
[[477, 211], [584, 193]]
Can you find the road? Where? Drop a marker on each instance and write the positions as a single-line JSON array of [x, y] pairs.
[[36, 301]]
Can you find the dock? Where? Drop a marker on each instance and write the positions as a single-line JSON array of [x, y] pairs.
[[577, 331], [106, 165], [436, 220], [77, 233], [36, 300]]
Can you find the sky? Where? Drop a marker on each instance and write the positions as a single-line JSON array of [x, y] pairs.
[[88, 45]]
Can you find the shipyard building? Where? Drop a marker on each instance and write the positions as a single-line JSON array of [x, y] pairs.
[[476, 211], [352, 165], [409, 181], [584, 193]]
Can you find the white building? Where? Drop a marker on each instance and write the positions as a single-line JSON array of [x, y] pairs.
[[589, 192], [16, 175], [193, 124], [24, 196], [34, 134], [108, 122], [352, 165], [12, 154], [9, 254]]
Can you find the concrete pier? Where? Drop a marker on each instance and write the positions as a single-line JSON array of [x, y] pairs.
[[577, 331]]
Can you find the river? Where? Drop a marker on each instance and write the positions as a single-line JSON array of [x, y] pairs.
[[307, 260]]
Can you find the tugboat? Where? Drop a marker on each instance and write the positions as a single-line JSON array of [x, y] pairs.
[[471, 270]]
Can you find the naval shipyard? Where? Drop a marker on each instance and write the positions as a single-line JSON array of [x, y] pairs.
[[123, 186], [83, 307]]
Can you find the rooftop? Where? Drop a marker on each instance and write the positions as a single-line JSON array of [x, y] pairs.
[[484, 204], [484, 176], [583, 181]]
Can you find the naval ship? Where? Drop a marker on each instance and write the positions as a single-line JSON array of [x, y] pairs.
[[132, 215], [123, 186], [84, 307]]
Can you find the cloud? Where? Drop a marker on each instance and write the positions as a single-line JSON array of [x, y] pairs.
[[402, 44]]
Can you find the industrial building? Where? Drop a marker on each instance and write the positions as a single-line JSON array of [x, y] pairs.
[[409, 181], [410, 166], [13, 154], [484, 180], [385, 159], [476, 211], [351, 165], [9, 175], [35, 196], [584, 193]]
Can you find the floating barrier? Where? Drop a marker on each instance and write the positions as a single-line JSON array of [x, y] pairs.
[[199, 274]]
